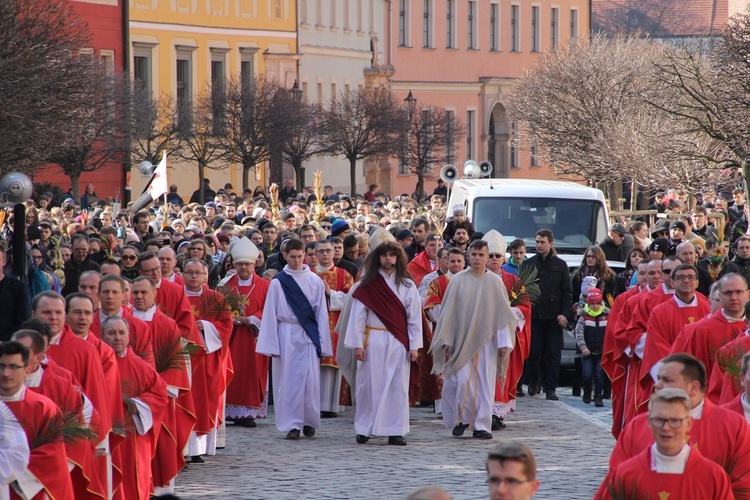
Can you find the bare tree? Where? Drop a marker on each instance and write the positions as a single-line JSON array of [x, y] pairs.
[[97, 134], [428, 141], [713, 95], [302, 141], [252, 122], [662, 19], [154, 126], [199, 135], [577, 104], [43, 82], [359, 125]]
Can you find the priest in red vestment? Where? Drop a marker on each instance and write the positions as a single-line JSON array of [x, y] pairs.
[[172, 367], [670, 467], [506, 388], [79, 314], [247, 397], [213, 319], [725, 384], [85, 481], [722, 327], [145, 402], [112, 301], [740, 404], [615, 361], [46, 475], [635, 332], [721, 435], [686, 306], [427, 261]]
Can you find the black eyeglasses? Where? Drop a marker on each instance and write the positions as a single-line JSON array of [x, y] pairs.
[[128, 257], [674, 423], [496, 256]]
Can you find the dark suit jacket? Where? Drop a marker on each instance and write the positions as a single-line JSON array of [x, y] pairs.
[[14, 300]]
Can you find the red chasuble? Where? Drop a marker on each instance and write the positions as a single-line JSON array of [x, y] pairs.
[[216, 369], [723, 385], [140, 335], [420, 266], [735, 405], [250, 368], [701, 478], [506, 392], [86, 483], [173, 302], [664, 324], [340, 281], [615, 362], [47, 462], [721, 435], [140, 380], [637, 326], [83, 360], [709, 336], [178, 420], [430, 385]]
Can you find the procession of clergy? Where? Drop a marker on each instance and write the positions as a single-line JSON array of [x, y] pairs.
[[103, 398]]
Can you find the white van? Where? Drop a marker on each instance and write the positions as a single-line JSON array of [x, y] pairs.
[[518, 208]]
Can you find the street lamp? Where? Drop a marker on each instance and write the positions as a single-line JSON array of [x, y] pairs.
[[411, 102], [296, 91]]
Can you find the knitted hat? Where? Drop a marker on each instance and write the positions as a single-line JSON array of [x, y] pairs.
[[338, 227], [594, 296]]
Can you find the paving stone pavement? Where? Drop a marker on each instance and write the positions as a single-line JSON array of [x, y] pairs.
[[571, 441]]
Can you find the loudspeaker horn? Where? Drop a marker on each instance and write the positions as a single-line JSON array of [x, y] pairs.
[[471, 170], [449, 174], [485, 168]]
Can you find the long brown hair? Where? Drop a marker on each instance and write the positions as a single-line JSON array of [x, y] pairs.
[[602, 270], [372, 263]]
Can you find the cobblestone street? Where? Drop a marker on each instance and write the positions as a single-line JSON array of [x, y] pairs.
[[570, 439]]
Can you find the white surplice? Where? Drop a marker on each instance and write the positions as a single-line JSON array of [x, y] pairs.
[[468, 396], [14, 450], [382, 389], [296, 366]]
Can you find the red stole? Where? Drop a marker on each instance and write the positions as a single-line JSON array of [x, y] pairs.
[[506, 392], [420, 267], [709, 336], [140, 335], [341, 281], [378, 297]]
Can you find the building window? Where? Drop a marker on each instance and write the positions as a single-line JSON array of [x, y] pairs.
[[319, 12], [347, 89], [333, 13], [470, 134], [450, 139], [403, 23], [303, 11], [218, 84], [333, 91], [246, 73], [142, 73], [372, 16], [472, 32], [305, 92], [427, 24], [320, 93], [346, 16], [277, 9], [494, 27], [184, 89], [513, 147], [534, 156], [554, 27], [573, 24], [359, 15], [515, 28], [535, 29], [450, 24]]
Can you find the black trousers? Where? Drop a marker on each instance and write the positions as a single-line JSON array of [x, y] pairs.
[[545, 354]]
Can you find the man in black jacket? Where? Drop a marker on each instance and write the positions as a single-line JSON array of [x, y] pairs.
[[613, 245], [14, 296], [742, 256], [548, 317], [78, 264]]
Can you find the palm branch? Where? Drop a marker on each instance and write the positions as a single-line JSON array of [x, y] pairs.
[[620, 491], [67, 427], [730, 361], [173, 354], [227, 299], [527, 285]]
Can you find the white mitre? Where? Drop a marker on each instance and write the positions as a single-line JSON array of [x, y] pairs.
[[245, 250], [495, 241], [380, 236]]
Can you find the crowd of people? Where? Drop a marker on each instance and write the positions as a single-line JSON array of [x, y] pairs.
[[131, 338]]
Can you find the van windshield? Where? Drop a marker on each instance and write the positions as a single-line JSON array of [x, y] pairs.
[[576, 224]]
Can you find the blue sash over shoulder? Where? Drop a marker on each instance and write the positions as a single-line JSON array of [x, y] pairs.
[[301, 308]]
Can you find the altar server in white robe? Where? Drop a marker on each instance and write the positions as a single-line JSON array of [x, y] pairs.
[[385, 332], [296, 343]]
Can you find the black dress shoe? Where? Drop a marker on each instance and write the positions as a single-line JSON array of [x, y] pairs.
[[328, 414], [308, 431], [482, 435], [397, 440], [362, 439], [598, 402], [460, 429], [293, 434], [519, 392], [552, 396], [533, 389], [577, 392], [245, 422], [197, 459], [497, 423]]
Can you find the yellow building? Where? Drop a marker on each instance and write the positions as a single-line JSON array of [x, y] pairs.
[[180, 46]]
